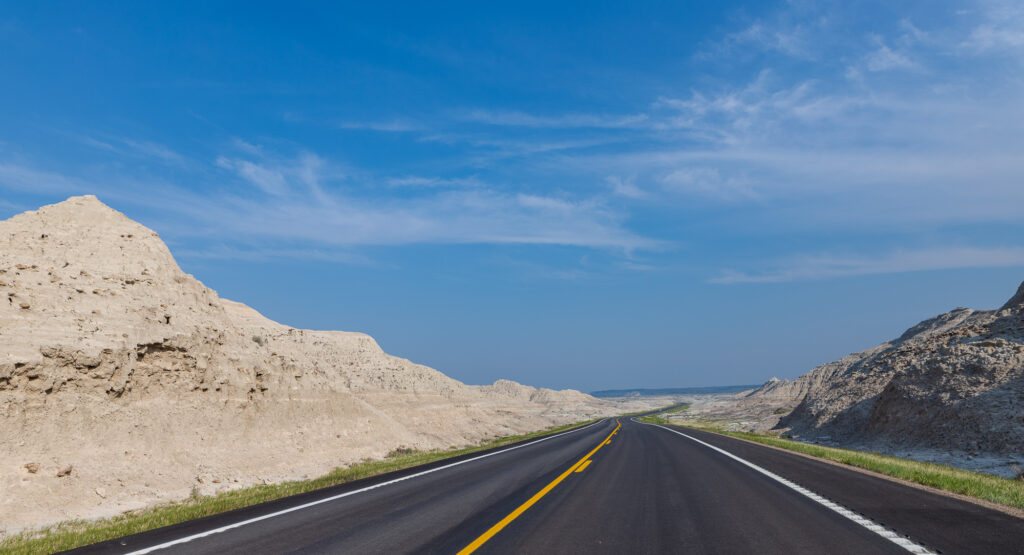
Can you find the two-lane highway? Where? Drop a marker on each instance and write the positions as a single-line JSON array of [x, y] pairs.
[[617, 486]]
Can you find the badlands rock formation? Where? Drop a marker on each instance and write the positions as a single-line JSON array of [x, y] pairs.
[[125, 382], [954, 383]]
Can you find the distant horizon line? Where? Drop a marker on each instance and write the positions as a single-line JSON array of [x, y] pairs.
[[673, 390]]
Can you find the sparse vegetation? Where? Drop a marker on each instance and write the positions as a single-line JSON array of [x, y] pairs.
[[400, 452], [781, 411], [655, 419], [1005, 491], [76, 533], [665, 410], [257, 340], [662, 417]]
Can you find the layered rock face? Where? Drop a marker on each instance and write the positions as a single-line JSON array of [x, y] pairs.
[[952, 383], [116, 364]]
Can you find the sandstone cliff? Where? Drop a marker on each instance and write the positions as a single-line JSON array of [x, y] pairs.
[[116, 364]]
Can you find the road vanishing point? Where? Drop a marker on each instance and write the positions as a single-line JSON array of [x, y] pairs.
[[615, 486]]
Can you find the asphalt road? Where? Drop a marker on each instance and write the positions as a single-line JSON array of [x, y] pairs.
[[633, 488]]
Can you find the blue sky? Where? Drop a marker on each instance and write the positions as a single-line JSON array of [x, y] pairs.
[[576, 195]]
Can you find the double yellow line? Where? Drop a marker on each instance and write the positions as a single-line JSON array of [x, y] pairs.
[[580, 464]]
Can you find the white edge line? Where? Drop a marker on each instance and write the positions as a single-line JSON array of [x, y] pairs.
[[346, 494], [880, 530]]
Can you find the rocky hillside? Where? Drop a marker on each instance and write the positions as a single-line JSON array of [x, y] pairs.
[[951, 383], [124, 381]]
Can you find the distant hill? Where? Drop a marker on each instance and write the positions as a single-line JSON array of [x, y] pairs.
[[673, 391]]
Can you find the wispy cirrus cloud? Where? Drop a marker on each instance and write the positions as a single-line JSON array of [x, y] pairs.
[[278, 176], [1000, 31], [386, 126], [456, 211], [129, 146], [709, 182], [298, 200], [824, 266], [394, 124], [523, 119], [793, 40], [793, 29], [884, 58], [154, 150], [487, 151], [625, 187], [905, 127], [450, 217], [902, 132], [260, 253], [431, 182], [742, 114]]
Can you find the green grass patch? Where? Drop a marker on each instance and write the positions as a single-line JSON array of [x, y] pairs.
[[76, 533], [1005, 491]]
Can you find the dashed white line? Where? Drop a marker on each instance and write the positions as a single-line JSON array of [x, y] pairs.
[[346, 494], [866, 523]]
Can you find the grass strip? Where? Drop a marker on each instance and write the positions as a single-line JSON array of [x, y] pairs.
[[76, 533], [1005, 491]]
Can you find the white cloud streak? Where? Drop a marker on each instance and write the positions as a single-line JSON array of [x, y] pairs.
[[523, 119], [813, 267], [432, 182], [385, 126], [450, 217], [297, 205], [133, 147], [270, 181]]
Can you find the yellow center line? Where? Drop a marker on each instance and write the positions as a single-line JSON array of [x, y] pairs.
[[536, 497], [584, 465]]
